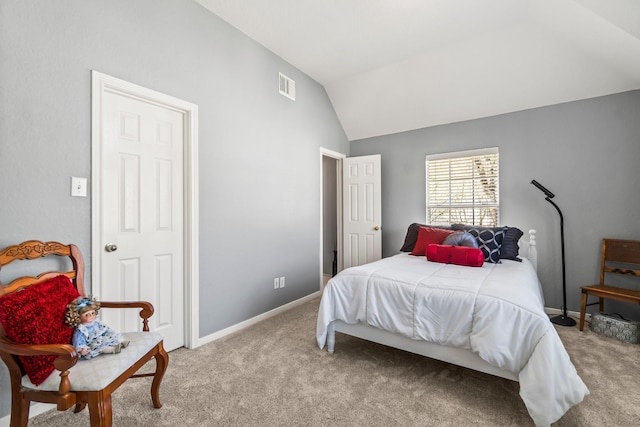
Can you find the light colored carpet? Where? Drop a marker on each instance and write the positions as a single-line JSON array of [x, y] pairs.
[[274, 374]]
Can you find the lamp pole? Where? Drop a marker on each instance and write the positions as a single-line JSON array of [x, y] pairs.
[[562, 319]]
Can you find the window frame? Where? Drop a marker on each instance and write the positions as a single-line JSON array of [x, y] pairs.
[[475, 204]]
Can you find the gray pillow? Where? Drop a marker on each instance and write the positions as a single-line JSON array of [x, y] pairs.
[[461, 238]]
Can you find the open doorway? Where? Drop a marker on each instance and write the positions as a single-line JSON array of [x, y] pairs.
[[330, 212]]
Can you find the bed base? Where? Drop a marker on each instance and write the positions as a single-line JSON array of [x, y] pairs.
[[453, 355]]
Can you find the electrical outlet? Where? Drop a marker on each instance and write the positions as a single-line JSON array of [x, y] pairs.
[[276, 283], [282, 282]]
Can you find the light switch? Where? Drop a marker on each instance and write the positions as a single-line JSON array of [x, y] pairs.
[[78, 187]]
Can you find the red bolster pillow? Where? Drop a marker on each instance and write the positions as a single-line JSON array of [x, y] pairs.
[[459, 255]]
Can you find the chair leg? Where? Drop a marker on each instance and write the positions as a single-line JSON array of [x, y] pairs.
[[601, 305], [162, 361], [19, 411], [583, 309], [79, 407], [100, 412]]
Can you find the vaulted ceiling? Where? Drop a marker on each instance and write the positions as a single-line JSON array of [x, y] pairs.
[[394, 65]]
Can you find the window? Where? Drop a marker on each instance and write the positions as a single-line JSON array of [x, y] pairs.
[[463, 188]]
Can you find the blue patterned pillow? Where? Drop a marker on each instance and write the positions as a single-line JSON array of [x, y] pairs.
[[489, 240]]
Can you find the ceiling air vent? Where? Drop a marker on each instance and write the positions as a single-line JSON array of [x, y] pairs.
[[287, 86]]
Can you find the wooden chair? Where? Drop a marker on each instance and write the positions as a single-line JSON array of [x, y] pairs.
[[86, 382], [616, 254]]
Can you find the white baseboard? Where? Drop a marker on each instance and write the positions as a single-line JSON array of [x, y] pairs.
[[574, 314], [239, 326]]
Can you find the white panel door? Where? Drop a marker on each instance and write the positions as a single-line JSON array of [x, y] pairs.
[[142, 211], [362, 210]]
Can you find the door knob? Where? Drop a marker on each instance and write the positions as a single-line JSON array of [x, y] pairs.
[[376, 228], [110, 247]]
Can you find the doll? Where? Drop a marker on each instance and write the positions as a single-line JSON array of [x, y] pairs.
[[91, 337]]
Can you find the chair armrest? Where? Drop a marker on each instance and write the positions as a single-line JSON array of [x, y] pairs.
[[66, 354], [66, 357], [146, 309]]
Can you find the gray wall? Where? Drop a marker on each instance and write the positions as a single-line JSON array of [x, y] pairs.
[[258, 151], [586, 152]]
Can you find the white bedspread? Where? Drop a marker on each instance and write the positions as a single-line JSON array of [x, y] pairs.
[[496, 311]]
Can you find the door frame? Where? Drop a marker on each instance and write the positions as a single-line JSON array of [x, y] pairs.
[[324, 152], [101, 83]]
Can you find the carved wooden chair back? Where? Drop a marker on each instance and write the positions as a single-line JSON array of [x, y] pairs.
[[35, 249]]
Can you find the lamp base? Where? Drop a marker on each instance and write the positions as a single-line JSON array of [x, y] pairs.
[[563, 320]]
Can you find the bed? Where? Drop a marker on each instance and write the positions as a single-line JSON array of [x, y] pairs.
[[489, 318]]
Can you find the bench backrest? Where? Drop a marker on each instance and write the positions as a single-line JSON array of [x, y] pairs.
[[616, 252]]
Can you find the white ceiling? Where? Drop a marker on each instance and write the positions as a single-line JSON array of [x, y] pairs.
[[395, 65]]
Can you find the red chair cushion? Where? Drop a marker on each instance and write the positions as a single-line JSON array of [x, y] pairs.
[[459, 255], [35, 315]]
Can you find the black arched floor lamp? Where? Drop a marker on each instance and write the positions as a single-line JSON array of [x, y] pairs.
[[562, 319]]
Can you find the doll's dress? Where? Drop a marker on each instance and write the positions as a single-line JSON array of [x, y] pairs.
[[95, 336]]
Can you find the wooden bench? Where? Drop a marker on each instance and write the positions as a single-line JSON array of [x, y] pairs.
[[618, 257]]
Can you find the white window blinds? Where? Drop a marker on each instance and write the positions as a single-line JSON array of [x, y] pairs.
[[463, 188]]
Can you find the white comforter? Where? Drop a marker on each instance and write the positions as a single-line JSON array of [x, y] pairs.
[[497, 311]]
